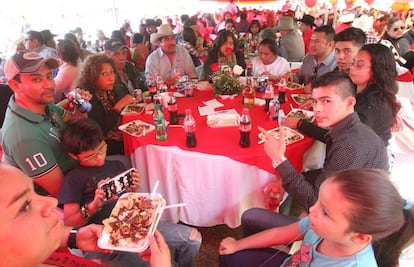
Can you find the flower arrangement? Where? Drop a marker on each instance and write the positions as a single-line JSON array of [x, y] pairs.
[[226, 80]]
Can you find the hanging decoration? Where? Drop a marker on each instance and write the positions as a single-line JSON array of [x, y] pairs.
[[400, 5], [369, 2], [310, 3], [349, 3]]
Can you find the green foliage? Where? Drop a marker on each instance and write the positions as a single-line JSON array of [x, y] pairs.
[[225, 82]]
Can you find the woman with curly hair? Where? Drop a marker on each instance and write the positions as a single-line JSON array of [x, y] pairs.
[[98, 77]]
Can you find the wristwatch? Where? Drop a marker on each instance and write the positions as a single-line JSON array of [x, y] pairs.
[[72, 238], [84, 212], [276, 163]]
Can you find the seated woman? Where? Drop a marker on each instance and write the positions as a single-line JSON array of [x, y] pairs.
[[394, 40], [68, 71], [268, 63], [224, 52], [253, 35], [29, 220], [189, 42], [98, 77]]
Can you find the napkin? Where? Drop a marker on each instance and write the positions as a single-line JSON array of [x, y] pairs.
[[206, 110]]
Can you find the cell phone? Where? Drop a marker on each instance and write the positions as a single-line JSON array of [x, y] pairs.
[[117, 184]]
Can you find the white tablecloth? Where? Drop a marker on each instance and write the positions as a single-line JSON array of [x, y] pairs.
[[216, 189]]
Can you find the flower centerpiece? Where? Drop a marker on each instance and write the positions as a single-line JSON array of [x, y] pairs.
[[226, 80]]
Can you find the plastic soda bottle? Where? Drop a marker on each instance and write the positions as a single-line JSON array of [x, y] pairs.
[[160, 82], [159, 122], [245, 126], [172, 109], [152, 87], [248, 94], [190, 128], [282, 90], [269, 94]]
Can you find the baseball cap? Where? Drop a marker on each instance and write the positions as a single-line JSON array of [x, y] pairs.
[[27, 62], [114, 45]]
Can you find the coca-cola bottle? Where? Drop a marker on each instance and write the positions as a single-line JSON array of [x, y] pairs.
[[152, 87], [190, 128], [172, 109], [269, 94], [160, 82], [282, 90], [245, 126]]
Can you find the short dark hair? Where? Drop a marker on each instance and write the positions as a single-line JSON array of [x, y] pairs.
[[328, 30], [353, 34], [81, 134], [36, 35], [271, 43], [137, 38], [341, 80]]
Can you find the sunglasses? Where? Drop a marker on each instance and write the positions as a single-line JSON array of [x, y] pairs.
[[398, 28]]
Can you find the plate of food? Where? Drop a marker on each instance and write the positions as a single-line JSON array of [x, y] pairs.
[[294, 86], [137, 128], [300, 99], [291, 136], [133, 219], [133, 109], [301, 114]]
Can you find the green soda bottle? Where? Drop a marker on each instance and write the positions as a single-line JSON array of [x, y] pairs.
[[159, 123]]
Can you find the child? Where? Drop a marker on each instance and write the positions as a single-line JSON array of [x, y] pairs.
[[360, 219], [83, 139], [80, 192]]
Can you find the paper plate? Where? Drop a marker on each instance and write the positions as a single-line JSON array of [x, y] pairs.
[[300, 99], [125, 244], [136, 128], [301, 114], [294, 86], [133, 109], [291, 136]]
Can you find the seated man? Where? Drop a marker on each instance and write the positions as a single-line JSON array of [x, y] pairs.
[[350, 144], [30, 133], [83, 200], [321, 56], [127, 76], [169, 58]]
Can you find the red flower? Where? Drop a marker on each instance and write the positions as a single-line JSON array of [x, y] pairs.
[[229, 51], [214, 67]]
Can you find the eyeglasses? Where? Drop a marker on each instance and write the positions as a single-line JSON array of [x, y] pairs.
[[99, 152], [398, 28]]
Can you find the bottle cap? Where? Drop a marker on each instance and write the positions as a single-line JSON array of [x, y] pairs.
[[170, 93], [245, 111], [188, 111]]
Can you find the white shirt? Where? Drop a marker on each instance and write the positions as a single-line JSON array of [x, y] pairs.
[[279, 67], [158, 62]]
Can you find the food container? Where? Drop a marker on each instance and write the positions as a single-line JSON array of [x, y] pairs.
[[120, 232], [223, 120]]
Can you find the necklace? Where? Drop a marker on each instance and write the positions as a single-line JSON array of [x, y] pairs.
[[108, 101]]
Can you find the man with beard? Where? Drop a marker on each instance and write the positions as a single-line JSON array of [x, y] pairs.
[[168, 59], [30, 133]]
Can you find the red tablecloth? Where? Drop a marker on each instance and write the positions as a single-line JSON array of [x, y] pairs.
[[220, 141]]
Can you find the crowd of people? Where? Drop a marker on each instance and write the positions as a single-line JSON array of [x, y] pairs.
[[350, 72]]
